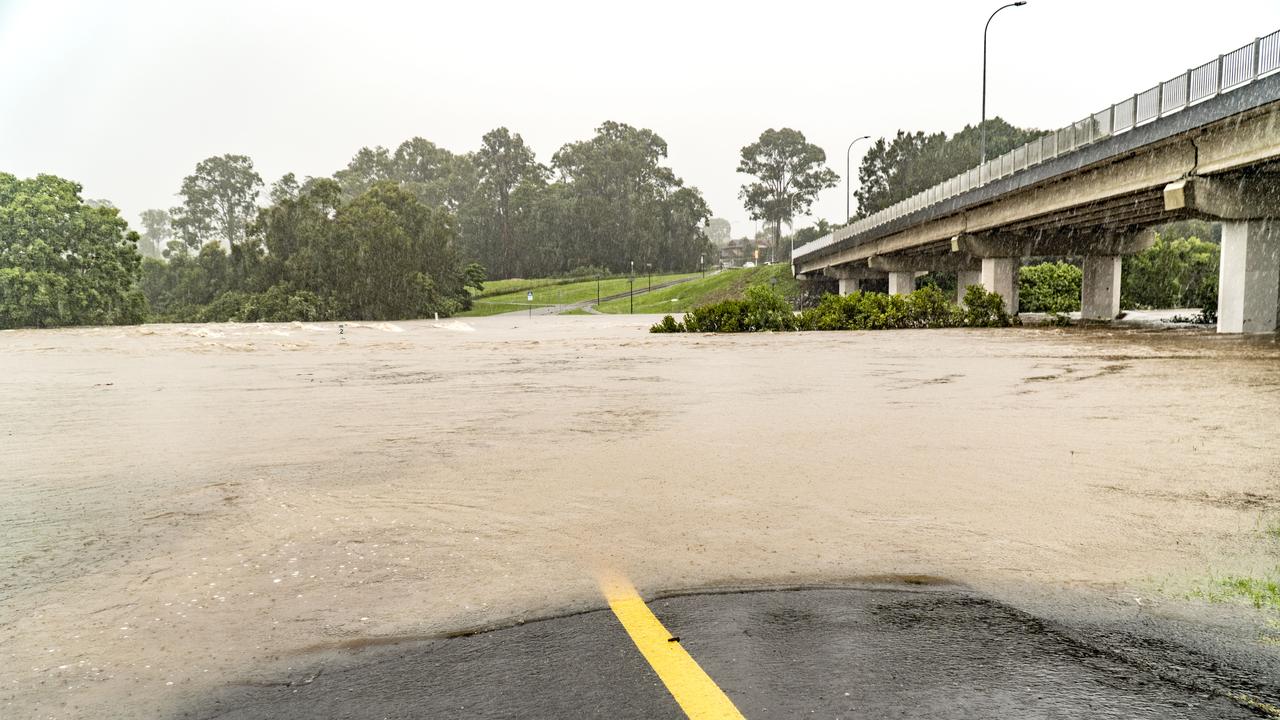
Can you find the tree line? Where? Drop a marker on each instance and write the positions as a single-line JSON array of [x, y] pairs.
[[405, 232]]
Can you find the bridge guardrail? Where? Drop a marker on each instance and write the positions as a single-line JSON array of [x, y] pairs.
[[1222, 74]]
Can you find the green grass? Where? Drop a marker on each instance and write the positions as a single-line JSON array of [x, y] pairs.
[[517, 285], [723, 285], [558, 293], [1262, 593]]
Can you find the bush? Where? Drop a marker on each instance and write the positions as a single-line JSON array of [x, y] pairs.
[[984, 309], [1174, 272], [668, 325], [1049, 288], [278, 304], [764, 309]]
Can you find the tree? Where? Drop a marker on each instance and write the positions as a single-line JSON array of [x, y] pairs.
[[219, 201], [894, 170], [623, 205], [62, 261], [367, 166], [426, 170], [718, 231], [811, 233], [789, 172], [393, 257], [157, 230], [490, 223]]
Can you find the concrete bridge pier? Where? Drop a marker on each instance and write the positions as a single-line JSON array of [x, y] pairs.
[[852, 278], [1100, 288], [902, 283], [1249, 277], [1000, 275], [1248, 206], [904, 270], [965, 278]]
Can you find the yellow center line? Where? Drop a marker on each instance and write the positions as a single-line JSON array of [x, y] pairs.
[[694, 691]]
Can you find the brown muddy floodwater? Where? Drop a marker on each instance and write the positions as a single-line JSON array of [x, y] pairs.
[[184, 503]]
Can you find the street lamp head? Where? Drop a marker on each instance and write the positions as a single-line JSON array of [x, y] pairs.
[[1020, 3]]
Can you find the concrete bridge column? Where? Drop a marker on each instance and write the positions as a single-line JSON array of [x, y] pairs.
[[965, 278], [902, 283], [1249, 277], [1100, 289], [1000, 275], [848, 286]]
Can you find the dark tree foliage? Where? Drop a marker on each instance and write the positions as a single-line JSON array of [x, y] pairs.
[[62, 261], [383, 255], [894, 170], [605, 202], [219, 200], [613, 203]]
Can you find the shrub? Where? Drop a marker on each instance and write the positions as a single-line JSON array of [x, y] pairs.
[[764, 309], [929, 307], [1049, 287], [984, 309], [668, 325], [278, 304], [1174, 272]]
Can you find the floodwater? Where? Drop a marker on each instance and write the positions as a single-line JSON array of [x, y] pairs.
[[183, 504]]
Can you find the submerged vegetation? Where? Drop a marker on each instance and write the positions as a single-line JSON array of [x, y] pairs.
[[766, 310]]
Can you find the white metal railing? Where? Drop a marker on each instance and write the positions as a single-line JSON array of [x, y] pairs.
[[1222, 74]]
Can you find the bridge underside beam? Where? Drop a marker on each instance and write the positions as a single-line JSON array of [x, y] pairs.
[[1046, 242], [950, 262]]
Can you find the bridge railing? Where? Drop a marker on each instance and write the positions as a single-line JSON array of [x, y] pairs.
[[1222, 74]]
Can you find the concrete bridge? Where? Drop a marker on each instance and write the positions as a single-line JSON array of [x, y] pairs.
[[1205, 144]]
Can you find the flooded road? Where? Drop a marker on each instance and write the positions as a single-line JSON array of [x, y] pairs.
[[189, 506]]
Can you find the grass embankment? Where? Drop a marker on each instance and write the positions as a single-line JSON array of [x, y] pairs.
[[513, 285], [724, 285], [552, 291]]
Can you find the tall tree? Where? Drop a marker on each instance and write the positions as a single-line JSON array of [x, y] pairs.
[[789, 172], [623, 202], [63, 262], [718, 230], [367, 166], [157, 230], [425, 169], [503, 163], [220, 199]]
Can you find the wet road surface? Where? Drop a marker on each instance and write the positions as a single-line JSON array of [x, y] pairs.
[[836, 653]]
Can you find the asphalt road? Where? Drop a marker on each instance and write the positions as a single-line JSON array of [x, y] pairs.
[[832, 653]]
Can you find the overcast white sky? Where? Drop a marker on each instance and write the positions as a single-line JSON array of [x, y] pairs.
[[126, 97]]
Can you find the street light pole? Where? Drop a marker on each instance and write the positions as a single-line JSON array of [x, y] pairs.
[[848, 178], [983, 126]]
